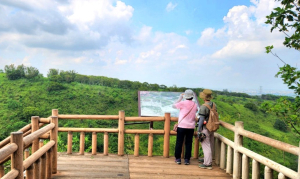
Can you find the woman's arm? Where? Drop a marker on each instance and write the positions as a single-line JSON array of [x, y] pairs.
[[178, 100]]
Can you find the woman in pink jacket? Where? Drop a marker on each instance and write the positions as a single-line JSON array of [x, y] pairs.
[[186, 125]]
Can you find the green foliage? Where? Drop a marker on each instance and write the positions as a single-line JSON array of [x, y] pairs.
[[284, 19], [55, 86], [21, 71], [280, 125], [286, 110], [287, 20], [251, 106]]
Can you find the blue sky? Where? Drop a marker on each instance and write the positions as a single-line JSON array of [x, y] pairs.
[[217, 44]]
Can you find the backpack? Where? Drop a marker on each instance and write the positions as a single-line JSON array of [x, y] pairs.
[[213, 119]]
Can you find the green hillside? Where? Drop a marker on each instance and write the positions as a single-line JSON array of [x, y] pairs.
[[22, 98]]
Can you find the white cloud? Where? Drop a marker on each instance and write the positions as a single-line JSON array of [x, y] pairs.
[[188, 32], [170, 7], [99, 38], [144, 35]]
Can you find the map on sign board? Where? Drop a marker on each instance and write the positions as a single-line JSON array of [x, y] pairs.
[[157, 103]]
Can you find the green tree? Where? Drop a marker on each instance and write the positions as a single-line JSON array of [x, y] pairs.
[[13, 73], [280, 125], [251, 106], [31, 72], [286, 19], [52, 72]]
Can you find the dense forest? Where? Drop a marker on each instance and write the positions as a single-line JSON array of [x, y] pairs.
[[25, 93]]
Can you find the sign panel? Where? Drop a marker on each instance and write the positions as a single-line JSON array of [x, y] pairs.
[[157, 103]]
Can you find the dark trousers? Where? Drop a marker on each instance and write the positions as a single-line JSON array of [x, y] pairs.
[[182, 134]]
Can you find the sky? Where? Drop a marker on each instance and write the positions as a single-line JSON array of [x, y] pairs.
[[216, 44]]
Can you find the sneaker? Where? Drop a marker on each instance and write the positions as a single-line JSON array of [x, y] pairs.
[[201, 160], [178, 161], [205, 166], [186, 161]]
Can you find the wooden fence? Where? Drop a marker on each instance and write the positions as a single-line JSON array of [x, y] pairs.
[[229, 155]]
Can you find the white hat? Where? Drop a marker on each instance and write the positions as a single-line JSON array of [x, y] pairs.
[[188, 94]]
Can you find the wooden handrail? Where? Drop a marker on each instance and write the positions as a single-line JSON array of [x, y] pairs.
[[129, 119], [271, 142], [276, 166], [45, 120], [35, 135], [227, 125], [38, 154], [143, 131], [67, 129], [7, 150], [7, 139], [224, 139], [11, 174], [68, 116]]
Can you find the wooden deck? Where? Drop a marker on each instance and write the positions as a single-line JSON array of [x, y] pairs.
[[113, 166]]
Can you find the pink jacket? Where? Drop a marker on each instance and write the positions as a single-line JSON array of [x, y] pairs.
[[185, 106]]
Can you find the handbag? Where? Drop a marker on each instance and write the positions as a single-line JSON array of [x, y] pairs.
[[176, 125]]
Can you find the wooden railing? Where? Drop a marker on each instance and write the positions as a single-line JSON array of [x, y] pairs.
[[239, 164], [43, 159], [234, 158]]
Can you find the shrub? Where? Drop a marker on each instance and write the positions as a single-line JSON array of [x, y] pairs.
[[280, 125], [55, 86], [251, 106]]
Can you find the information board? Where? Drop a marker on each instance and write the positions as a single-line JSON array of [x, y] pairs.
[[157, 103]]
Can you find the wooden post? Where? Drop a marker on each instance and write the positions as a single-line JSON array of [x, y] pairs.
[[150, 145], [49, 164], [217, 151], [268, 173], [238, 141], [136, 145], [81, 149], [121, 133], [255, 169], [94, 143], [281, 176], [167, 135], [245, 167], [105, 146], [229, 160], [17, 156], [29, 172], [70, 140], [43, 161], [37, 168], [26, 155], [2, 170], [196, 147], [35, 144], [54, 136], [34, 127], [223, 155]]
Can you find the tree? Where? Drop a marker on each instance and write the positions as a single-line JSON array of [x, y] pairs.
[[280, 125], [14, 73], [52, 72], [287, 20], [31, 72], [251, 106]]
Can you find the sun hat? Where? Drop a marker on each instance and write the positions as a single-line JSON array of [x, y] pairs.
[[188, 94], [206, 94]]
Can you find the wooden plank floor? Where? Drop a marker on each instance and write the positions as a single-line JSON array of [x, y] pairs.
[[113, 166]]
